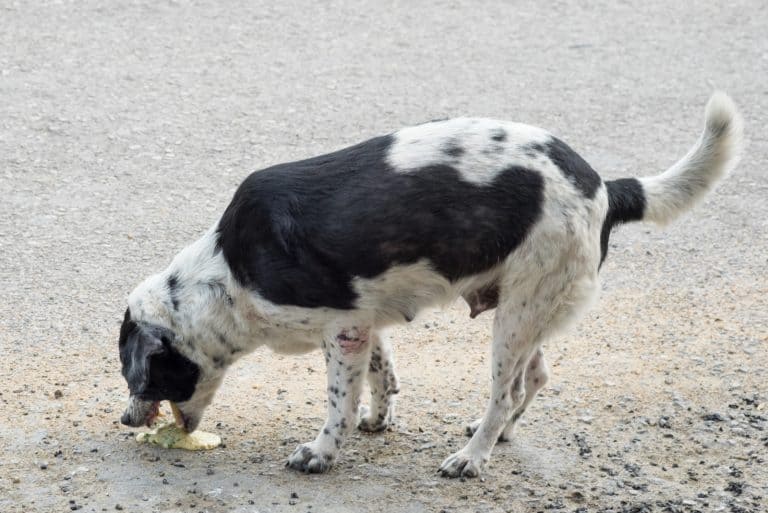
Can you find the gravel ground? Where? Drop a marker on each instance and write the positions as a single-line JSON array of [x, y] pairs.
[[126, 125]]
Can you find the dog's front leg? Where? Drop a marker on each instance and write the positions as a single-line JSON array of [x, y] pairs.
[[347, 353]]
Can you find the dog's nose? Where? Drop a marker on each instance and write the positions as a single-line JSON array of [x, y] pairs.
[[125, 419]]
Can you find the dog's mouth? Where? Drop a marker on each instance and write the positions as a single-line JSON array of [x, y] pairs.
[[140, 412]]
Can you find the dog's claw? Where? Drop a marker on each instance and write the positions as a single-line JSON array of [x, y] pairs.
[[306, 459], [460, 464]]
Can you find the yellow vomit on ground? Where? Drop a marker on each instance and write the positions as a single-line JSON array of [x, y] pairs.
[[171, 435]]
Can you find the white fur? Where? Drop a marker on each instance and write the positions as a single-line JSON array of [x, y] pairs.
[[713, 156], [424, 145]]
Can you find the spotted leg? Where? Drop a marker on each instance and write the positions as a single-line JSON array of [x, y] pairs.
[[347, 353], [383, 383], [515, 341], [536, 376]]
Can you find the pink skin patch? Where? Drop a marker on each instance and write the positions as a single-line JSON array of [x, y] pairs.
[[351, 340]]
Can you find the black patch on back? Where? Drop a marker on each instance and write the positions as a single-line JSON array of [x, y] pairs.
[[575, 168], [299, 232], [173, 286], [499, 134], [452, 149], [626, 202], [152, 367]]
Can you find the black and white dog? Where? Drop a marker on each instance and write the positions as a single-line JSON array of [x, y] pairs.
[[326, 252]]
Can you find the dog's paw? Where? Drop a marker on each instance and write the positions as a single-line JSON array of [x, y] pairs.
[[372, 424], [307, 459], [462, 464], [471, 428]]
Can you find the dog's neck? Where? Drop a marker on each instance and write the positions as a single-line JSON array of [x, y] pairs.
[[216, 321], [196, 298]]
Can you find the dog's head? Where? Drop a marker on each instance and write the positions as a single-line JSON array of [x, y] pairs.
[[156, 371]]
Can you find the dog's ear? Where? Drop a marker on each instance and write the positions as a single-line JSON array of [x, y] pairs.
[[138, 344]]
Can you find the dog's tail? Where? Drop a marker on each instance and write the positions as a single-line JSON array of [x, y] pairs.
[[664, 197]]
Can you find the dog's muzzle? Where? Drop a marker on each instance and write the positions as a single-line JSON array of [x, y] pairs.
[[140, 412]]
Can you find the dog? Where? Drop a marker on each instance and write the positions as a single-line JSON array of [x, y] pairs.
[[326, 252]]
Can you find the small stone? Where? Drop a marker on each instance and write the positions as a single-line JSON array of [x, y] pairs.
[[714, 417], [294, 495], [735, 488], [58, 394], [118, 507], [44, 465]]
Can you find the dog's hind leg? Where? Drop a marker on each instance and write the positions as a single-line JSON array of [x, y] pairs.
[[516, 337], [383, 383], [347, 355], [536, 376]]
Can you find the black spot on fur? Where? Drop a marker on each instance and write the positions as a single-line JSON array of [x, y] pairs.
[[173, 290], [452, 149], [626, 202], [533, 150], [575, 168], [499, 135], [298, 233], [375, 364]]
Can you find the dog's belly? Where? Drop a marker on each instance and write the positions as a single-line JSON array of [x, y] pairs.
[[287, 345], [400, 293]]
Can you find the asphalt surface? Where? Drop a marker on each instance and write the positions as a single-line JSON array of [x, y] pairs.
[[125, 127]]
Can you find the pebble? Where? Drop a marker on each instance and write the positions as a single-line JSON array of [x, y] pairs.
[[581, 441]]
